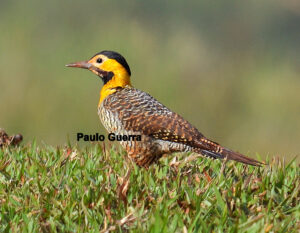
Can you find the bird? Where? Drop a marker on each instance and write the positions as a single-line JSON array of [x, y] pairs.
[[125, 110]]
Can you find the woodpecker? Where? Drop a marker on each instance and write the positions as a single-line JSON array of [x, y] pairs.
[[126, 110]]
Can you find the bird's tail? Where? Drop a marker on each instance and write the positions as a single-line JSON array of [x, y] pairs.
[[214, 150], [231, 155]]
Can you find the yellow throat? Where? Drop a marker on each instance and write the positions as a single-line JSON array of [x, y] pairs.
[[121, 79]]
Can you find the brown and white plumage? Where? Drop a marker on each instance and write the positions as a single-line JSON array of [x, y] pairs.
[[128, 111], [131, 111]]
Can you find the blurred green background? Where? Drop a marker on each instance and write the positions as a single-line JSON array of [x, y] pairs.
[[229, 67]]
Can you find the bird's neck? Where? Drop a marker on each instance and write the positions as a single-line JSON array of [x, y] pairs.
[[119, 80]]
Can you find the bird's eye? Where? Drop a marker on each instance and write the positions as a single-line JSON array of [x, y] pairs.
[[99, 60]]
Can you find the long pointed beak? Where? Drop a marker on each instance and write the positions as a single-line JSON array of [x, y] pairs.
[[91, 67], [81, 64]]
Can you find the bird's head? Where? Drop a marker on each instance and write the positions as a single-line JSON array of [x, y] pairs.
[[110, 66]]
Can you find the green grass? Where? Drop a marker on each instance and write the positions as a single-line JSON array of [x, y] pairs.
[[75, 190]]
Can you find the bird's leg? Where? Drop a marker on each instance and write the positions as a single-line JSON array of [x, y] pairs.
[[124, 181]]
